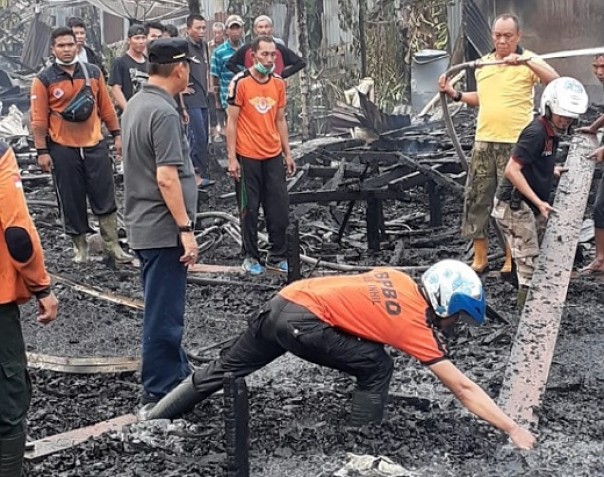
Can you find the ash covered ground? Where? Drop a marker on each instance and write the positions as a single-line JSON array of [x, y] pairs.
[[299, 411]]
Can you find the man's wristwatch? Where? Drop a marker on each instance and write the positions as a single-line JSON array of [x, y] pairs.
[[457, 96], [188, 227]]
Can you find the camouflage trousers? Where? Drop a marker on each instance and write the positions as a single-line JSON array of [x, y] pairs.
[[523, 232], [485, 170]]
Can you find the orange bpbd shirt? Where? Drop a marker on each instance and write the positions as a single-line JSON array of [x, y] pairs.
[[259, 103], [383, 305]]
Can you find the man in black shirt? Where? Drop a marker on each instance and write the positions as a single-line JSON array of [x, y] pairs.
[[287, 62], [196, 99], [127, 69], [522, 199]]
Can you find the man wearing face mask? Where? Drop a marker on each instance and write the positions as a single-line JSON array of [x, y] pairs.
[[521, 205], [69, 101], [259, 156]]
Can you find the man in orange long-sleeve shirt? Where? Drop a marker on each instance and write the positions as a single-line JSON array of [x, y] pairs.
[[22, 275], [73, 145], [343, 322]]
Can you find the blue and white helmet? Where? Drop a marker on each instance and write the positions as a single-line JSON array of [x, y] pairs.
[[452, 287], [565, 97]]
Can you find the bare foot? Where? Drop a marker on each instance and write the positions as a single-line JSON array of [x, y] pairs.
[[594, 268]]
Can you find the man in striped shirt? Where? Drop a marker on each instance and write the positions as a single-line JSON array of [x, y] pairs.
[[221, 76]]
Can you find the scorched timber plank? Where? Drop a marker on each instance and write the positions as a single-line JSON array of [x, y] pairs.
[[59, 442], [532, 352]]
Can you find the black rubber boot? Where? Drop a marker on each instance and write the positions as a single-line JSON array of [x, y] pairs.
[[11, 455], [180, 400], [367, 407]]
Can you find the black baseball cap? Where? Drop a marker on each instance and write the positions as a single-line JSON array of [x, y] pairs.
[[169, 50], [135, 30]]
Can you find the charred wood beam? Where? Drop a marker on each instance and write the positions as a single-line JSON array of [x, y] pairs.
[[381, 158], [344, 195], [352, 171], [52, 444], [335, 181], [100, 294], [421, 128], [393, 173], [236, 419], [375, 223], [297, 180], [330, 185], [293, 251], [533, 350], [309, 151], [436, 214], [36, 177], [446, 165], [349, 209], [407, 182], [229, 282], [436, 176], [83, 365]]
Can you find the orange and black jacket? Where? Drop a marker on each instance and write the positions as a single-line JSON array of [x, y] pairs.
[[22, 272], [51, 92]]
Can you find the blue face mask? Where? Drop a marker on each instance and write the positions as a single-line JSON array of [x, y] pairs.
[[263, 70]]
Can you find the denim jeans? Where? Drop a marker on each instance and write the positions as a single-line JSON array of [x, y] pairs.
[[164, 277], [197, 133]]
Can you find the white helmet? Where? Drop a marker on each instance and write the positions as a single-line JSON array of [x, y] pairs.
[[565, 97], [452, 287]]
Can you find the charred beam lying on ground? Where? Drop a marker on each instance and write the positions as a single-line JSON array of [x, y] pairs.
[[96, 293], [531, 356], [83, 365], [50, 445]]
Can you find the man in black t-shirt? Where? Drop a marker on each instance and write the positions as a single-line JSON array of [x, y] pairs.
[[128, 69], [522, 205], [287, 62]]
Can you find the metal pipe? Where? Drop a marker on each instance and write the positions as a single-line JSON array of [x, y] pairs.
[[546, 56]]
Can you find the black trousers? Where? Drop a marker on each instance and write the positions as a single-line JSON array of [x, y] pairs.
[[598, 213], [80, 173], [263, 183], [15, 386], [283, 326]]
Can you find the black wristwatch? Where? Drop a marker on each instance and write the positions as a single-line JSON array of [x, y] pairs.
[[188, 227]]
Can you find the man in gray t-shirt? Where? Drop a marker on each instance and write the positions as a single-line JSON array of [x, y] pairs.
[[160, 207]]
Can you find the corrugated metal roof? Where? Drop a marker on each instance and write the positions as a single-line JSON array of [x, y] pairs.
[[476, 28]]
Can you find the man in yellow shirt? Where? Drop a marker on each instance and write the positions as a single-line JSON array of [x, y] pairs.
[[504, 97]]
